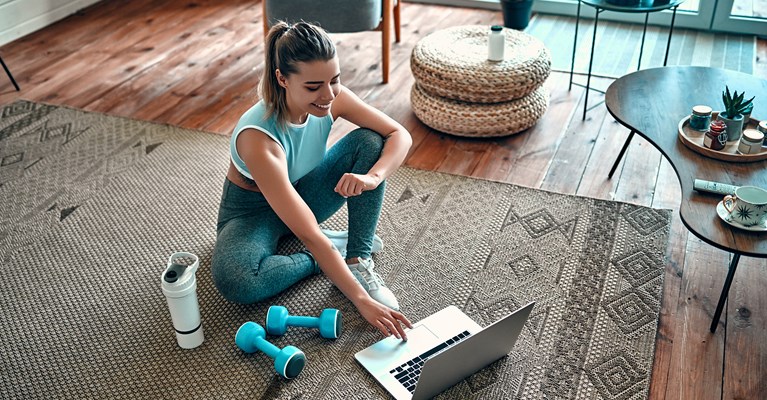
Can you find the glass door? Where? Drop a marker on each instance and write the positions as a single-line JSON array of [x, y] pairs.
[[694, 14], [734, 16], [741, 16]]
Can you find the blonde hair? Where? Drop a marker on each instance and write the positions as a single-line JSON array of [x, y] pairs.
[[286, 46]]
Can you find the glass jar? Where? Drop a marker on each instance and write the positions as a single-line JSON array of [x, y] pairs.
[[716, 136], [763, 128], [700, 118], [750, 142]]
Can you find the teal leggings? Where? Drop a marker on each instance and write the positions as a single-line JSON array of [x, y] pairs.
[[245, 267]]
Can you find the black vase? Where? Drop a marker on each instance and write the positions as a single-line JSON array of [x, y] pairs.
[[516, 13]]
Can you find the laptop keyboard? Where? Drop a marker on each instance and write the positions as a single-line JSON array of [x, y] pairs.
[[407, 373]]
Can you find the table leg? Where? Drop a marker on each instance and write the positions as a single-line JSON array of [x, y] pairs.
[[8, 72], [575, 43], [725, 291], [620, 155], [641, 46], [591, 61], [670, 31]]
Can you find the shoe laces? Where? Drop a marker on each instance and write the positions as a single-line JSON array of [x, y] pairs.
[[365, 269]]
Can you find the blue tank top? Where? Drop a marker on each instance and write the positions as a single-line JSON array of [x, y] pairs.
[[304, 145]]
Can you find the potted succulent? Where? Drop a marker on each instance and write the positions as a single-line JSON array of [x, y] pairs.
[[732, 115], [747, 113], [516, 13]]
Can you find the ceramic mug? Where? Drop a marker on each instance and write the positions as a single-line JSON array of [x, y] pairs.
[[748, 206]]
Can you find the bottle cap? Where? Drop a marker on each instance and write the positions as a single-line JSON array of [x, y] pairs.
[[717, 126], [701, 110], [496, 28], [178, 279], [752, 135]]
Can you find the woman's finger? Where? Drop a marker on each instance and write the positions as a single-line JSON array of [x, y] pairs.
[[393, 328], [341, 187], [347, 186], [382, 328], [403, 318], [398, 331]]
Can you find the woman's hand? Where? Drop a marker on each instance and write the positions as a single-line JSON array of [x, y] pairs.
[[354, 184], [386, 320]]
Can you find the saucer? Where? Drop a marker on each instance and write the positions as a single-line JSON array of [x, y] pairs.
[[725, 216]]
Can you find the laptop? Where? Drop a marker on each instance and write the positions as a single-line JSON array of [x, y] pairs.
[[442, 350]]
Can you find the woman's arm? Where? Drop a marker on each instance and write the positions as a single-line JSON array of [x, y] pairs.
[[398, 141], [266, 162]]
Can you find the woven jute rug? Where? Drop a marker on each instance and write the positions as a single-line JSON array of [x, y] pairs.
[[93, 205]]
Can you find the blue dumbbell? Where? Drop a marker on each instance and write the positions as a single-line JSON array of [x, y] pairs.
[[329, 322], [288, 361]]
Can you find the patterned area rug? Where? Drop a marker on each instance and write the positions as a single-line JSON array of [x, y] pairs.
[[93, 206], [617, 46]]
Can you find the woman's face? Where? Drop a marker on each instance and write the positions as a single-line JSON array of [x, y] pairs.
[[312, 89]]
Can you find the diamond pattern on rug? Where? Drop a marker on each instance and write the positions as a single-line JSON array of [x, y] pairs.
[[638, 267], [646, 220], [95, 211], [629, 312], [617, 376]]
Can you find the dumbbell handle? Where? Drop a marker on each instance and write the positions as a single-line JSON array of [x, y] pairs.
[[304, 322], [267, 347]]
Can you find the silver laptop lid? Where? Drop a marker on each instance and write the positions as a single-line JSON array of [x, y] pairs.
[[472, 354]]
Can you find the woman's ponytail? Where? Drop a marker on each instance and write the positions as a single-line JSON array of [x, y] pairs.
[[286, 46], [271, 93]]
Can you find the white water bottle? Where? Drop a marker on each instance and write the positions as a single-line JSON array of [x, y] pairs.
[[179, 285], [496, 43]]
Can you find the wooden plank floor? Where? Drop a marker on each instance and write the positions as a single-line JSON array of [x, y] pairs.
[[197, 64]]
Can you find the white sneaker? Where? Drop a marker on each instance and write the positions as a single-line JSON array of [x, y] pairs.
[[341, 238], [373, 284]]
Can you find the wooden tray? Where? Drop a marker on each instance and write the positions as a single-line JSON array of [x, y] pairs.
[[694, 140]]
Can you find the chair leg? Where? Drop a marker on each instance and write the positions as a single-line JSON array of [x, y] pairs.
[[8, 72], [396, 21], [386, 39], [266, 19]]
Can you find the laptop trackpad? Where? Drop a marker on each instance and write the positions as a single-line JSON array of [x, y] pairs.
[[420, 336], [379, 357]]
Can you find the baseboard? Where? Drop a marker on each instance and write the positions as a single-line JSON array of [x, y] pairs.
[[22, 17]]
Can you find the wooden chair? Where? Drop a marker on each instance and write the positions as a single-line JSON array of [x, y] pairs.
[[341, 16]]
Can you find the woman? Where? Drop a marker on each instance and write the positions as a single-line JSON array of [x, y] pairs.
[[281, 179]]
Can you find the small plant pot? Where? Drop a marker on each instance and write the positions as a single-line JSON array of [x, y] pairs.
[[516, 13], [734, 126]]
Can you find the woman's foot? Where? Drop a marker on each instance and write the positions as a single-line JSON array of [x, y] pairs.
[[341, 238], [373, 283]]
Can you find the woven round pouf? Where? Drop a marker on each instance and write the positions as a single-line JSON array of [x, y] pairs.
[[452, 63], [462, 118]]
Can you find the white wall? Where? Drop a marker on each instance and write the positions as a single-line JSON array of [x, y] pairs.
[[21, 17]]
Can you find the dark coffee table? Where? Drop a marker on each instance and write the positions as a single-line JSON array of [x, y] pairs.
[[651, 103]]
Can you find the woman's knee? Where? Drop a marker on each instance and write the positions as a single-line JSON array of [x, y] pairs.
[[235, 281], [368, 140]]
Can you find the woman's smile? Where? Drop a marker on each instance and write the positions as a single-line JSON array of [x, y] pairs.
[[322, 106]]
